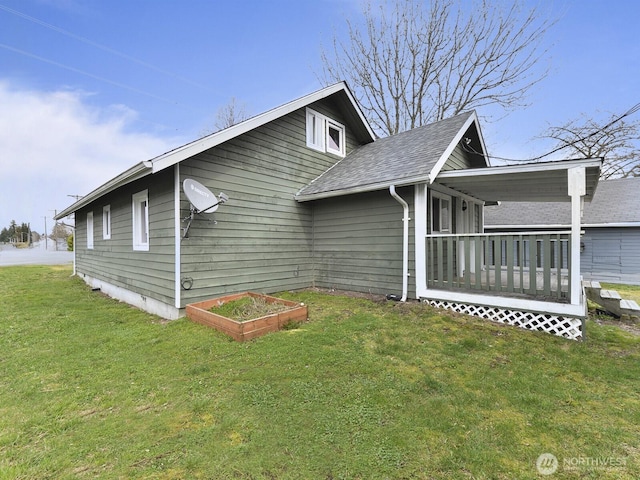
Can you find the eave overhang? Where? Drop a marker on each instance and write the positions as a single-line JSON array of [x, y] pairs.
[[134, 173], [535, 182], [373, 187]]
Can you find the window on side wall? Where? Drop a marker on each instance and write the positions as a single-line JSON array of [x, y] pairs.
[[141, 220], [89, 230], [324, 134], [106, 222], [440, 213]]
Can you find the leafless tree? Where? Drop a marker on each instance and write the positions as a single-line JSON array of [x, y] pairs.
[[228, 115], [412, 62], [614, 139]]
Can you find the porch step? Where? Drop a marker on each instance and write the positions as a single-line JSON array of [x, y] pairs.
[[610, 295], [591, 284], [629, 305], [612, 302]]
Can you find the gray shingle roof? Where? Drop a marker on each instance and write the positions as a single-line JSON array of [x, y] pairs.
[[615, 201], [391, 159]]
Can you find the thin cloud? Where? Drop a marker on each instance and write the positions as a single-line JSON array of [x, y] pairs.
[[54, 144]]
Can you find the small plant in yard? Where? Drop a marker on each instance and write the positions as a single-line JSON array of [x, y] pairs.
[[92, 388]]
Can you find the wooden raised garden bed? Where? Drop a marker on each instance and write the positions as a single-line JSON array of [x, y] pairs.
[[241, 330]]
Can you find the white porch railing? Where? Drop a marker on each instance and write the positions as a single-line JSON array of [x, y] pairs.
[[532, 265]]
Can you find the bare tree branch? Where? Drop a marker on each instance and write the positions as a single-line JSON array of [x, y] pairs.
[[412, 62], [228, 115], [615, 141]]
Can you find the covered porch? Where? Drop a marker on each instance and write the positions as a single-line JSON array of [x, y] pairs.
[[529, 279]]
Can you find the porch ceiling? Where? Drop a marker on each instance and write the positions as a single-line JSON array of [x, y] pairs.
[[536, 182]]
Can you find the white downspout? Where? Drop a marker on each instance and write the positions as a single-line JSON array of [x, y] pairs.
[[405, 242]]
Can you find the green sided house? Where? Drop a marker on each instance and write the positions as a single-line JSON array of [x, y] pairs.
[[316, 200]]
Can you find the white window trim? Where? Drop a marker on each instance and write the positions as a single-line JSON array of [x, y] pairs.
[[336, 126], [90, 230], [317, 131], [140, 226], [448, 198], [106, 222]]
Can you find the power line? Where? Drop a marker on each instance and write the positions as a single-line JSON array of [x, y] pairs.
[[101, 47], [82, 72], [469, 149]]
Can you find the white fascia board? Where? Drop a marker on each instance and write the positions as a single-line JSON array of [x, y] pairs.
[[487, 159], [473, 118], [362, 189], [523, 168], [136, 172], [189, 150], [356, 106]]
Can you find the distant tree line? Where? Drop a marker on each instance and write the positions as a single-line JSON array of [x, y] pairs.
[[22, 233], [18, 233]]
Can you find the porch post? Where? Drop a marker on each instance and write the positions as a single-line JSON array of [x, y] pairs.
[[576, 178], [420, 202]]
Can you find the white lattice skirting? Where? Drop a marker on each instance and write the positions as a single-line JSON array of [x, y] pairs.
[[567, 327]]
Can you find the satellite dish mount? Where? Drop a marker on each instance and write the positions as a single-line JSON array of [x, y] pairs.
[[202, 201]]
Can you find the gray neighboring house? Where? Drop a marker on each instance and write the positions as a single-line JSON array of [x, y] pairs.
[[316, 200], [610, 246]]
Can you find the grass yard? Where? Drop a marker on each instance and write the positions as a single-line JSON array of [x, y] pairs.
[[91, 388]]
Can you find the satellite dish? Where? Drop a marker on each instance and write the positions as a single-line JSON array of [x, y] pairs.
[[200, 196], [202, 200]]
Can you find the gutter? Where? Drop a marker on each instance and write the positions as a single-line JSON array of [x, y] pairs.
[[372, 187], [405, 242]]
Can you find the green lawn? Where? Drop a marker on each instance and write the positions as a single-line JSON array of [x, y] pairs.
[[91, 388]]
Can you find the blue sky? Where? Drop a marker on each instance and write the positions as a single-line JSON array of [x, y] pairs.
[[91, 87]]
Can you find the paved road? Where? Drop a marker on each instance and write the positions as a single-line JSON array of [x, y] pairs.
[[37, 255]]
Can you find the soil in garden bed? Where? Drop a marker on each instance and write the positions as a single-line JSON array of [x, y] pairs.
[[248, 308]]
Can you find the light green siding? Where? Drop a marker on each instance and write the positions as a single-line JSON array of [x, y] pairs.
[[148, 273], [263, 238], [458, 160], [263, 241], [357, 243]]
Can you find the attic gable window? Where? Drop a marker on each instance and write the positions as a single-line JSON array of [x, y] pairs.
[[325, 134]]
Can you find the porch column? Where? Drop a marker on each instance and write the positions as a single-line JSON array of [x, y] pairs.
[[576, 179], [420, 202]]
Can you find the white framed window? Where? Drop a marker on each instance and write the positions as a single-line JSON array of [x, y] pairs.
[[315, 130], [325, 134], [440, 213], [106, 222], [335, 138], [89, 230], [140, 214]]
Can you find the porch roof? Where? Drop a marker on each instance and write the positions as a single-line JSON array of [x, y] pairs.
[[534, 182]]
